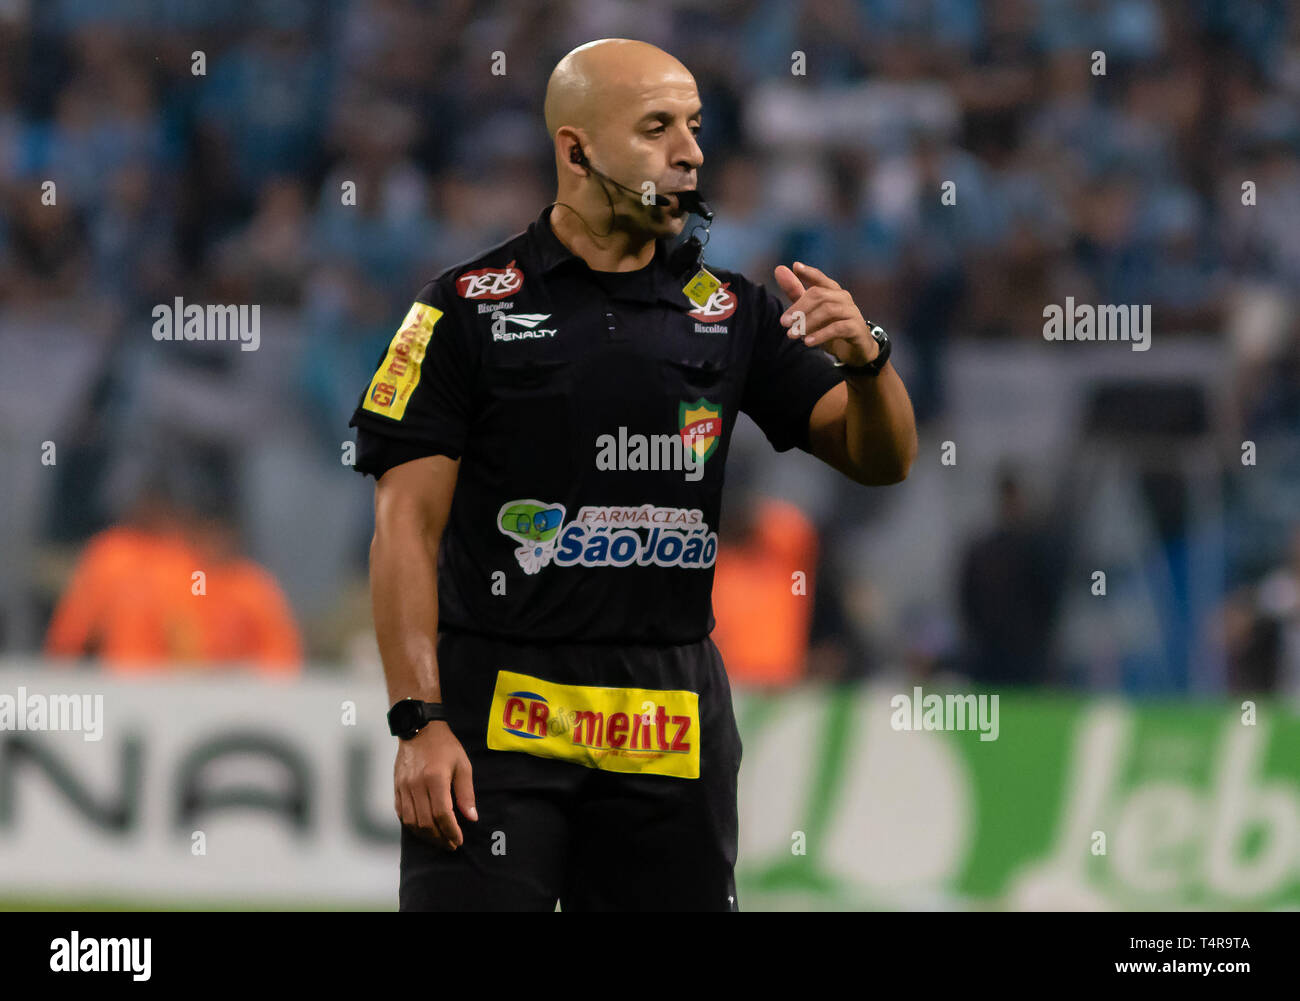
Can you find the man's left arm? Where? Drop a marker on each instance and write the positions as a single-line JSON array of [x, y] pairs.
[[863, 427]]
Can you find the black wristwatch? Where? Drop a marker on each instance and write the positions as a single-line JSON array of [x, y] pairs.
[[877, 363], [410, 716]]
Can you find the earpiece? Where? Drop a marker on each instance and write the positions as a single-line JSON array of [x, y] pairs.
[[576, 155]]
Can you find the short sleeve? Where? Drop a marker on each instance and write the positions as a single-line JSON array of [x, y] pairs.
[[377, 453], [418, 401], [786, 378]]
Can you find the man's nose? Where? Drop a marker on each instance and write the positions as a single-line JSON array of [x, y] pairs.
[[688, 156]]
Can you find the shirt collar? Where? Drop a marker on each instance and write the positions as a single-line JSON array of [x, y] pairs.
[[551, 254]]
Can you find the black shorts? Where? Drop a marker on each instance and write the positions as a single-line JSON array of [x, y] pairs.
[[588, 837]]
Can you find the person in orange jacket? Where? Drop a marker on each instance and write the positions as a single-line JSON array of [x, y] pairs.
[[762, 607], [136, 601]]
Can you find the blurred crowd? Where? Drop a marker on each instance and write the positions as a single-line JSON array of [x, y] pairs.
[[1089, 148]]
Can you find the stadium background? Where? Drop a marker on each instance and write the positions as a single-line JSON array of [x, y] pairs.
[[1121, 713]]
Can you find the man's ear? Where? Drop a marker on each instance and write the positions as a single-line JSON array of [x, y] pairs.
[[571, 149]]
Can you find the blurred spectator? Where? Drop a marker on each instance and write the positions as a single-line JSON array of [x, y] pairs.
[[955, 164], [131, 603], [130, 240], [1277, 602], [763, 591], [1270, 391], [269, 256], [384, 220], [1008, 596], [744, 233], [263, 101], [837, 651], [245, 615], [1251, 645], [47, 243]]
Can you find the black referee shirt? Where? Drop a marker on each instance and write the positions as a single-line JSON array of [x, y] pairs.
[[591, 412]]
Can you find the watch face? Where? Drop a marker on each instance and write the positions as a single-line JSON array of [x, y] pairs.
[[404, 718], [882, 339]]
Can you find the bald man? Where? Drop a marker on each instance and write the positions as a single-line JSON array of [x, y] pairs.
[[548, 430]]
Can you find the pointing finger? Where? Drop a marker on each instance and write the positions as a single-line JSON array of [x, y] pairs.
[[790, 285], [813, 276]]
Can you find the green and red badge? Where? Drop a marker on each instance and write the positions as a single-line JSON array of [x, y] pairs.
[[700, 425]]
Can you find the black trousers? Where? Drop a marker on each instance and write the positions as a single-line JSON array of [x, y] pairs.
[[553, 830]]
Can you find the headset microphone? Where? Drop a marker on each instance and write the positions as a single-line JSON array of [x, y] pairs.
[[690, 200], [578, 156], [688, 257]]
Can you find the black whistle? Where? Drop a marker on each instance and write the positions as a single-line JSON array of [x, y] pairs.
[[693, 201]]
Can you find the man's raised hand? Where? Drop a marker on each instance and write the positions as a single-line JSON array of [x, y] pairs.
[[823, 314]]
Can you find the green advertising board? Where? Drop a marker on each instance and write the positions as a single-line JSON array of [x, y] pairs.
[[1076, 804]]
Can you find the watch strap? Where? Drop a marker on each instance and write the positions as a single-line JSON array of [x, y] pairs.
[[877, 363], [426, 713]]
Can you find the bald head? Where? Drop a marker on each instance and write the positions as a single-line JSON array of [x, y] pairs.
[[623, 117], [594, 80]]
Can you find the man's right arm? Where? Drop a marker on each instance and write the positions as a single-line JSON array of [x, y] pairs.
[[412, 503]]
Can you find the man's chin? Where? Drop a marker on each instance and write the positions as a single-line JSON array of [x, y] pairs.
[[661, 221], [668, 221]]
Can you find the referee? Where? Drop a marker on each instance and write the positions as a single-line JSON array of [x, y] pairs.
[[548, 430]]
